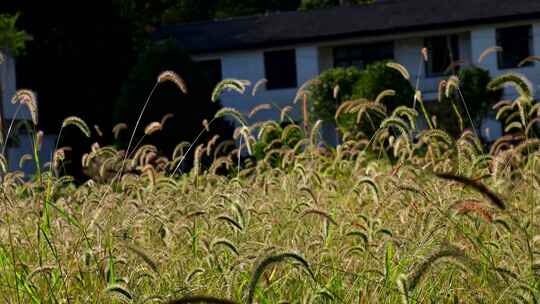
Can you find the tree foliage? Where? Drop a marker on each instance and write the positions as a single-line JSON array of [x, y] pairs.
[[193, 10], [376, 78], [479, 100], [474, 94], [339, 85], [177, 11], [70, 62], [324, 100], [189, 110], [11, 39]]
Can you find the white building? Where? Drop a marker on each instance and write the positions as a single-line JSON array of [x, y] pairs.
[[7, 82], [11, 114], [290, 48]]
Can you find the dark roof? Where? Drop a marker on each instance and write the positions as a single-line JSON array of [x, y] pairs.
[[382, 17]]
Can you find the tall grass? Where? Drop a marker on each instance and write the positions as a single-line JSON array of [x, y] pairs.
[[411, 216]]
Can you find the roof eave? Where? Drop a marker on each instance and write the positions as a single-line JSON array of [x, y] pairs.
[[371, 33]]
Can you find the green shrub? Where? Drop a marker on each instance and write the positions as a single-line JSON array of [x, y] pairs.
[[324, 104], [266, 144], [479, 100], [376, 78], [354, 84]]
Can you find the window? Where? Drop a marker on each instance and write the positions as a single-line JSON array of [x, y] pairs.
[[516, 44], [442, 52], [212, 70], [362, 55], [280, 68]]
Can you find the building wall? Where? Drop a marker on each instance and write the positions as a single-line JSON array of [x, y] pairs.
[[472, 43], [313, 59], [408, 53], [23, 144], [7, 81], [484, 37], [250, 66]]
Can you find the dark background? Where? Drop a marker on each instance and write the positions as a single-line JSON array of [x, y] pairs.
[[82, 56]]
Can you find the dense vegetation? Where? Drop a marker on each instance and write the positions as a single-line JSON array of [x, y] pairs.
[[11, 39], [406, 215], [168, 100], [338, 85], [69, 54]]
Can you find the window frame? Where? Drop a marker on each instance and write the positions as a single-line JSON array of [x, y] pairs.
[[428, 66], [501, 64], [277, 67], [205, 64], [365, 53]]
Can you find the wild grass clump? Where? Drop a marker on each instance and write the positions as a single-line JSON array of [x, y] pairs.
[[406, 215]]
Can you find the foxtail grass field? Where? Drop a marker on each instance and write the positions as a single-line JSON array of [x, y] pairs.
[[401, 216]]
